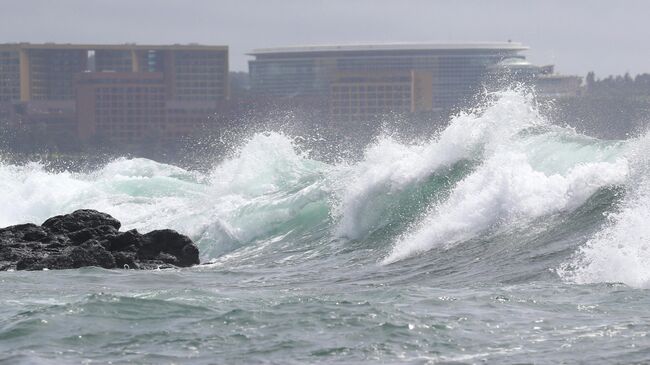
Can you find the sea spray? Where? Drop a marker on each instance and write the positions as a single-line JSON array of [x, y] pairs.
[[31, 194], [505, 190], [264, 186], [508, 188], [499, 200], [502, 164], [620, 252], [389, 167]]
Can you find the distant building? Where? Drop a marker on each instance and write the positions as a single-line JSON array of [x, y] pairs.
[[356, 96], [123, 107], [99, 85], [456, 70], [547, 84], [554, 86], [9, 75]]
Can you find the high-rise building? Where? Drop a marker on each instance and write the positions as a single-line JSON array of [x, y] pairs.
[[126, 92], [456, 69], [46, 71]]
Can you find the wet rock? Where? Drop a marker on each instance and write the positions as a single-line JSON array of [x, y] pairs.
[[80, 219], [91, 238]]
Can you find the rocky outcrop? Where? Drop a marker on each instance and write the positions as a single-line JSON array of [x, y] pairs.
[[91, 238]]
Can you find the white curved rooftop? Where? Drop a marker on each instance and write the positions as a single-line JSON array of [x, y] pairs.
[[515, 62], [511, 46]]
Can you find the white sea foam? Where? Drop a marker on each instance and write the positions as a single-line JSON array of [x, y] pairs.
[[521, 177], [389, 167], [31, 194], [505, 190], [268, 189], [262, 187], [620, 252]]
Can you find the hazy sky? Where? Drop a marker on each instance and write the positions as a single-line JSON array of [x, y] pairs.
[[608, 37]]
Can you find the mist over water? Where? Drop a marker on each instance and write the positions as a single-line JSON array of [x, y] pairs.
[[501, 238]]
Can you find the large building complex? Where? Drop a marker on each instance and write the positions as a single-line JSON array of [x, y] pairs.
[[142, 95], [125, 92], [455, 70]]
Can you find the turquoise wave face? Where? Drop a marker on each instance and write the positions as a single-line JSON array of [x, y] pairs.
[[490, 170]]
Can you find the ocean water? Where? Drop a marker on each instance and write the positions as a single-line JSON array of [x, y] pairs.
[[502, 239]]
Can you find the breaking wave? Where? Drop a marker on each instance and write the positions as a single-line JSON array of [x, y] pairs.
[[620, 252], [491, 169]]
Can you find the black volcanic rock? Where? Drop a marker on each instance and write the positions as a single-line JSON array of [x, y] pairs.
[[91, 238], [80, 219]]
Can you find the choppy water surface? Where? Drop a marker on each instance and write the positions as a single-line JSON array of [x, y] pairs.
[[502, 240]]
